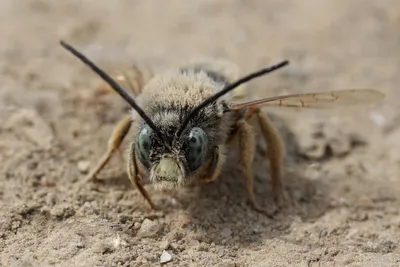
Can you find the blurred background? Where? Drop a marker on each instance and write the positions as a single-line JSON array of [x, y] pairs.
[[343, 165]]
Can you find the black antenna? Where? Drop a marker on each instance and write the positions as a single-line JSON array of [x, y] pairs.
[[116, 87], [228, 88]]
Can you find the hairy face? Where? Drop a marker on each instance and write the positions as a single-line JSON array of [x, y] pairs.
[[173, 164]]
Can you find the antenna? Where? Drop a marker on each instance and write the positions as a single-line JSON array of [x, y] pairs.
[[116, 87]]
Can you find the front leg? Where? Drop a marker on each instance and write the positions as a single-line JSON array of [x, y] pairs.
[[134, 176], [114, 142], [215, 166]]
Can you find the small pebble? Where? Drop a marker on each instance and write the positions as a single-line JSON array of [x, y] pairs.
[[369, 244], [164, 244], [174, 202], [118, 241], [148, 228], [165, 257], [137, 225], [83, 166]]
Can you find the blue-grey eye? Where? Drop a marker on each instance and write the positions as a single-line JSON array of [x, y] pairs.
[[143, 144], [197, 144]]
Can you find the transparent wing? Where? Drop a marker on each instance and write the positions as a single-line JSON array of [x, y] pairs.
[[322, 100]]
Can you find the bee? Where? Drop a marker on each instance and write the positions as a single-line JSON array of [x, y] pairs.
[[185, 121]]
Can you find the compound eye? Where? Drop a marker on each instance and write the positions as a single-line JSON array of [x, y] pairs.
[[143, 144], [197, 148]]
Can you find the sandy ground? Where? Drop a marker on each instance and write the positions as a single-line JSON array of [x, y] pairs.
[[342, 167]]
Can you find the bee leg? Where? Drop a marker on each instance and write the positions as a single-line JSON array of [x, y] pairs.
[[142, 75], [275, 152], [215, 166], [119, 132], [134, 176], [134, 78], [247, 147]]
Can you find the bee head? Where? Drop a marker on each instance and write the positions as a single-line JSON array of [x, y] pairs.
[[171, 166]]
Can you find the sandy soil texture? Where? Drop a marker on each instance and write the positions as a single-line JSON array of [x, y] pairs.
[[342, 173]]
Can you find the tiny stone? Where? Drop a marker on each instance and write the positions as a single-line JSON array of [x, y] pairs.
[[148, 228], [83, 166], [15, 225], [165, 257], [164, 244], [137, 225], [369, 247], [174, 202], [323, 233], [118, 241]]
